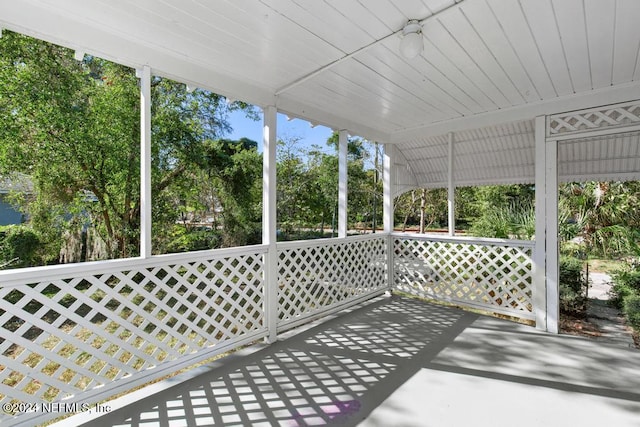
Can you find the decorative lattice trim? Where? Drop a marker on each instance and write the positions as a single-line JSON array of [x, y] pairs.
[[614, 116]]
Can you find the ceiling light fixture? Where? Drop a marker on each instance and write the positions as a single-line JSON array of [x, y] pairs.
[[411, 44]]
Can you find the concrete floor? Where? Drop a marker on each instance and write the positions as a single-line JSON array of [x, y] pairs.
[[399, 362]]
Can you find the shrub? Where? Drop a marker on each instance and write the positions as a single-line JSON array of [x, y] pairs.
[[631, 310], [626, 282], [193, 240], [573, 287], [513, 221], [18, 247]]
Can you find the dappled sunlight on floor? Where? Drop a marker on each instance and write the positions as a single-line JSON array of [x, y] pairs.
[[399, 361]]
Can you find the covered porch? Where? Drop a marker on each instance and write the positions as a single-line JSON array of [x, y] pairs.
[[483, 101]]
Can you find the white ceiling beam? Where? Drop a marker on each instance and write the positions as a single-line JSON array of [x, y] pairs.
[[598, 97]]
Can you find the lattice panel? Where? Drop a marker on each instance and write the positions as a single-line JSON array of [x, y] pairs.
[[580, 121], [312, 278], [66, 335], [496, 277]]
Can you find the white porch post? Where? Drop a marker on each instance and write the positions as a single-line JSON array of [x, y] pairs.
[[269, 223], [145, 161], [545, 254], [553, 270], [342, 183], [451, 199], [388, 184], [539, 253], [388, 187]]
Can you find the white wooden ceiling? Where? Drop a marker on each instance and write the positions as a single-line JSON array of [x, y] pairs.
[[485, 63]]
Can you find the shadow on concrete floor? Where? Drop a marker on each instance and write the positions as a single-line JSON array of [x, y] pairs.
[[401, 362]]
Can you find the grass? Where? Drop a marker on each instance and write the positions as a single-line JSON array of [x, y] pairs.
[[605, 265]]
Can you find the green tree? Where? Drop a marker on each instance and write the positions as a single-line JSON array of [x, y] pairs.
[[73, 127], [291, 185], [605, 215]]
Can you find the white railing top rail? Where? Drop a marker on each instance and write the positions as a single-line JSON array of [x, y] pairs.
[[329, 241], [467, 239], [17, 277]]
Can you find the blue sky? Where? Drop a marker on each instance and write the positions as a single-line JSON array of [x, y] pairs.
[[296, 128], [287, 129]]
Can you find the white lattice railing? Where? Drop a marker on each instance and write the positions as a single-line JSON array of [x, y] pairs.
[[490, 274], [321, 275], [95, 329], [91, 330], [81, 333]]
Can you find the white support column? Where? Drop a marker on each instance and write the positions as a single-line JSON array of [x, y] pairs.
[[539, 253], [145, 161], [553, 269], [451, 199], [388, 184], [269, 223], [343, 179], [388, 187]]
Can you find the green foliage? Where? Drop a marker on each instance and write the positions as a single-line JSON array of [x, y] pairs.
[[507, 221], [73, 128], [625, 292], [573, 286], [184, 240], [18, 247], [308, 188], [626, 283], [631, 310], [303, 235], [604, 215]]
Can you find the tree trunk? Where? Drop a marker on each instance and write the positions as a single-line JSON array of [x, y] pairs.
[[423, 209], [404, 223]]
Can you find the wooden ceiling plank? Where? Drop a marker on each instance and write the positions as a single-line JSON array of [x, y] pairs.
[[474, 46], [600, 16], [340, 102], [385, 11], [489, 30], [449, 42], [324, 22], [542, 22], [364, 18], [516, 30], [627, 41], [573, 33], [425, 85], [415, 9], [268, 32], [438, 56], [377, 93]]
